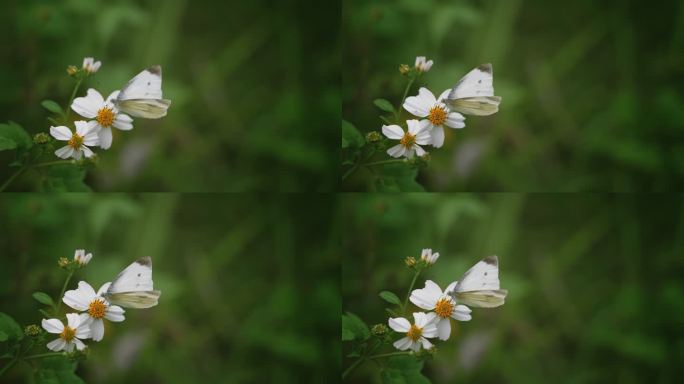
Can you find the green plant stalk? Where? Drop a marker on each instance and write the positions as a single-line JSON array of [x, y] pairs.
[[71, 99], [387, 355], [413, 282], [14, 176], [8, 365], [391, 161], [403, 98], [41, 355], [360, 360], [59, 298]]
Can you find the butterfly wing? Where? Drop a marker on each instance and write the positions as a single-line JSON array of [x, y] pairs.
[[142, 96], [133, 287], [474, 93], [479, 286]]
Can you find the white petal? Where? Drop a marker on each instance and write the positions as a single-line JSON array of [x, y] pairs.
[[97, 329], [105, 138], [89, 105], [426, 344], [437, 136], [462, 313], [415, 346], [86, 151], [450, 288], [92, 139], [455, 120], [123, 122], [399, 324], [56, 345], [115, 313], [85, 319], [84, 127], [419, 150], [77, 299], [79, 344], [112, 96], [103, 289], [426, 298], [70, 346], [83, 331], [443, 95], [420, 105], [393, 132], [77, 154], [87, 62], [52, 325], [417, 126], [444, 329], [419, 319], [73, 320], [402, 344], [65, 152], [61, 133], [396, 151]]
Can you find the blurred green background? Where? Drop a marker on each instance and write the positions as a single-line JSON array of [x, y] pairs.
[[250, 285], [254, 88], [592, 90], [595, 282]]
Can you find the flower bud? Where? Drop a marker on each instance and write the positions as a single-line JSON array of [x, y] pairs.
[[404, 69], [373, 136], [72, 70], [81, 257], [32, 330], [428, 257], [379, 330], [63, 262], [410, 261], [41, 138]]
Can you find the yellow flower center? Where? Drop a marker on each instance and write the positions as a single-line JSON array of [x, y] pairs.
[[414, 332], [76, 141], [67, 334], [408, 140], [105, 117], [444, 307], [438, 115], [96, 309]]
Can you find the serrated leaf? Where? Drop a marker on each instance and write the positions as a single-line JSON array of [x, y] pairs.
[[384, 105], [351, 137], [13, 136], [43, 298], [65, 178], [397, 177], [57, 370], [52, 107], [353, 328], [10, 328], [390, 297], [403, 370]]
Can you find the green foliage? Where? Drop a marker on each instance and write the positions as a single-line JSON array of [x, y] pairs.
[[353, 328], [351, 137], [390, 297], [9, 329], [57, 370], [64, 178], [397, 178], [43, 298], [384, 105], [403, 370], [13, 136], [52, 106]]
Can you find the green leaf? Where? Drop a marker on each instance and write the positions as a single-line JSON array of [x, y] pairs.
[[384, 105], [390, 297], [351, 137], [3, 336], [45, 313], [10, 328], [52, 107], [392, 312], [403, 370], [57, 370], [64, 178], [43, 298], [398, 177], [13, 136], [353, 328]]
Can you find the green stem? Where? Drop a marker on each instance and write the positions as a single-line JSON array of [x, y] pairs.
[[413, 282], [8, 365], [71, 99], [350, 171], [49, 163], [59, 298], [403, 98], [388, 355], [41, 355], [352, 367], [14, 176], [385, 162]]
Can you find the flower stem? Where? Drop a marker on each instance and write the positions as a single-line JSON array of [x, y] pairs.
[[413, 282], [41, 355], [388, 355], [14, 176], [59, 298], [49, 163], [8, 365], [385, 162], [403, 98], [71, 99], [352, 367]]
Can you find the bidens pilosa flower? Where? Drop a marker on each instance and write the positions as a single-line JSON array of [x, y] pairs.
[[105, 113], [90, 65], [77, 142], [427, 256], [417, 334], [70, 335], [422, 65], [84, 298], [435, 112], [81, 257], [410, 141], [432, 298]]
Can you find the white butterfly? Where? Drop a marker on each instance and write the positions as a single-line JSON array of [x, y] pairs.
[[479, 287], [133, 287], [142, 96], [474, 93]]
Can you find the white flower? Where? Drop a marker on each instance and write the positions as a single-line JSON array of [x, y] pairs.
[[105, 113], [70, 335], [409, 142], [417, 333], [90, 65], [437, 113], [85, 299], [422, 65], [432, 298], [77, 142], [81, 257], [428, 256]]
